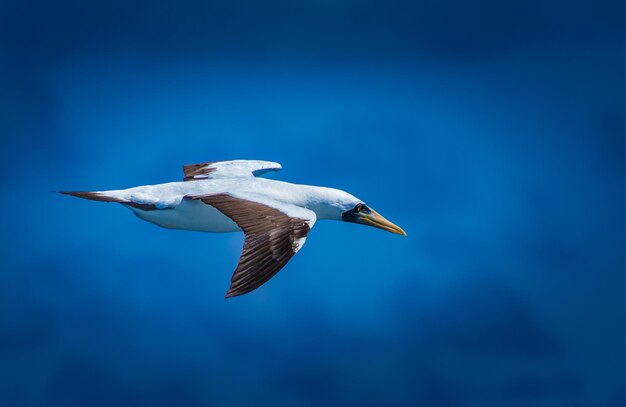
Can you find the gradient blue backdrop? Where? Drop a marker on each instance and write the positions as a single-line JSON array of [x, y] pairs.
[[493, 133]]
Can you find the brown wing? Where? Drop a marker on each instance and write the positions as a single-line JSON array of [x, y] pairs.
[[272, 238]]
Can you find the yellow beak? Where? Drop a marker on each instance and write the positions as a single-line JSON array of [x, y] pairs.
[[375, 219]]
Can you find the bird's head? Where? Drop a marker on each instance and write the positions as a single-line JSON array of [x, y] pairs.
[[340, 205], [365, 215]]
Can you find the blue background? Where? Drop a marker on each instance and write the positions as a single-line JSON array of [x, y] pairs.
[[493, 133]]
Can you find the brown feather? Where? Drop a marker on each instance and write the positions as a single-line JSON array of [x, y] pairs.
[[270, 242], [193, 170]]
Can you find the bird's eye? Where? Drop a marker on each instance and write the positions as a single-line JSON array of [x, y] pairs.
[[358, 208]]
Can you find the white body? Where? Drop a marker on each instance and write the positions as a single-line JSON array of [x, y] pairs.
[[176, 212]]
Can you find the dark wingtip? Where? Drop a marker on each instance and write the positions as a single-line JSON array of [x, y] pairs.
[[236, 292], [231, 293]]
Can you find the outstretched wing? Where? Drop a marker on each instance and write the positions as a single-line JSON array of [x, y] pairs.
[[228, 169], [273, 236]]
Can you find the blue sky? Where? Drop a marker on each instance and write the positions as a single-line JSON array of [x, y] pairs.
[[493, 134]]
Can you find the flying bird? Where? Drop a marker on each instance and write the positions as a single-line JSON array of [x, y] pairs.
[[230, 196]]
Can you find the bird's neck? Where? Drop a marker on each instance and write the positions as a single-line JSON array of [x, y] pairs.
[[325, 202]]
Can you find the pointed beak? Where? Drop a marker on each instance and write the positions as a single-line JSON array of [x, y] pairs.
[[375, 219]]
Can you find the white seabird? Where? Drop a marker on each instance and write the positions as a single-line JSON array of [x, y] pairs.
[[228, 196]]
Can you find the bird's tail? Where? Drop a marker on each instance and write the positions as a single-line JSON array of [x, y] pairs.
[[103, 197], [94, 196]]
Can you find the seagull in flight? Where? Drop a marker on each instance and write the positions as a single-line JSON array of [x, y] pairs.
[[230, 196]]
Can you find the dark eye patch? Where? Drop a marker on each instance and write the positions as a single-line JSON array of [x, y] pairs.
[[355, 213]]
